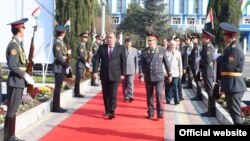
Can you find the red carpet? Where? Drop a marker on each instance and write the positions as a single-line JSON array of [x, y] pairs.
[[89, 124]]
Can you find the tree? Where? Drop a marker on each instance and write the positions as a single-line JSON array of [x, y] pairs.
[[223, 11], [81, 14]]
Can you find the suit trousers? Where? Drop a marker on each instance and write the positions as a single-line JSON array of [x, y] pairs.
[[128, 86], [233, 101], [158, 86], [198, 83], [79, 73], [14, 99], [59, 77], [109, 90], [208, 84]]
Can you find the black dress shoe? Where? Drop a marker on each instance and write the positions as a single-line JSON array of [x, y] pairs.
[[94, 84], [14, 138], [159, 116], [59, 110], [79, 95], [131, 99], [111, 116], [181, 98], [150, 116], [208, 114], [197, 98]]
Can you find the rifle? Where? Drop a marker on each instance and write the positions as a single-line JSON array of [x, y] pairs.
[[68, 60], [30, 60]]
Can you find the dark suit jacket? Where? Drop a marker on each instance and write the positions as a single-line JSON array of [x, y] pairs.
[[111, 69]]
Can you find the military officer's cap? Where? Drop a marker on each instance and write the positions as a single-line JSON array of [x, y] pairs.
[[195, 35], [85, 34], [207, 34], [188, 37], [98, 37], [19, 23], [61, 28], [152, 36], [228, 28]]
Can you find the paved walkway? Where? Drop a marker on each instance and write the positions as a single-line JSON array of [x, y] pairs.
[[187, 112]]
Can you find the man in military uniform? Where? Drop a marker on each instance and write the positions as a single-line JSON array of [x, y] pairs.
[[195, 53], [231, 65], [206, 65], [152, 61], [98, 42], [81, 62], [17, 79], [61, 67]]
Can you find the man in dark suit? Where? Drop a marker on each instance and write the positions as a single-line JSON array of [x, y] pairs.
[[112, 58], [61, 67], [206, 65], [17, 79], [231, 65], [152, 61], [81, 62]]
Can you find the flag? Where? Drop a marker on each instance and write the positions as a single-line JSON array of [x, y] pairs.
[[67, 24], [244, 4], [36, 13], [210, 17]]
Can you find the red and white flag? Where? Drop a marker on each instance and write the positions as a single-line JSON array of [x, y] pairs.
[[36, 13], [210, 17]]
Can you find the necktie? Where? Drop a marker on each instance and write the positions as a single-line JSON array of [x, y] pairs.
[[110, 52]]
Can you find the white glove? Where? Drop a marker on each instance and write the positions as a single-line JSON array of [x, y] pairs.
[[68, 70], [197, 59], [29, 79], [69, 51], [216, 55], [87, 65], [188, 52]]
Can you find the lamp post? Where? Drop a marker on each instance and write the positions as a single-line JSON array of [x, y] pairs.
[[103, 17]]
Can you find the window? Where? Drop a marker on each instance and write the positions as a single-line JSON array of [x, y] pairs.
[[247, 21], [203, 20], [195, 6], [176, 21], [190, 20], [181, 10], [119, 6], [115, 20]]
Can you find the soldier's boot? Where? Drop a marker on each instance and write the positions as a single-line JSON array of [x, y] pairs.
[[77, 90], [12, 130], [6, 128], [199, 94], [56, 104]]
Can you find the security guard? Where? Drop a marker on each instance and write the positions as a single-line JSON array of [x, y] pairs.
[[95, 47], [195, 53], [61, 67], [17, 79], [206, 65], [152, 60], [81, 62], [231, 66]]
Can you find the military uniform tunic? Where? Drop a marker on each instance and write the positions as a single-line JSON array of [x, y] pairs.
[[232, 83]]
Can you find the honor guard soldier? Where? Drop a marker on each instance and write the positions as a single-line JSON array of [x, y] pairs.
[[81, 62], [61, 67], [206, 66], [231, 65], [195, 53], [152, 61], [98, 42], [17, 79]]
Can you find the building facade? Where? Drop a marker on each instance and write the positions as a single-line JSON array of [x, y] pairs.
[[183, 14]]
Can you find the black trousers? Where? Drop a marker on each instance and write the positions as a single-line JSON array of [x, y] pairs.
[[59, 77], [109, 90], [79, 73], [197, 82]]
